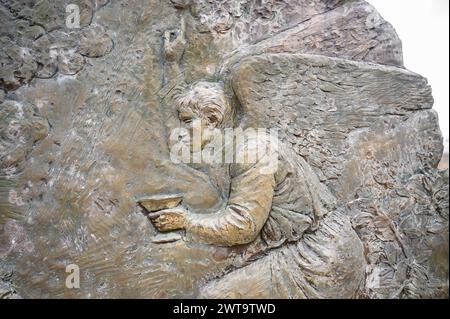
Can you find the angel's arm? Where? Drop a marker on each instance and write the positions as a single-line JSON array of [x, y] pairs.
[[245, 214]]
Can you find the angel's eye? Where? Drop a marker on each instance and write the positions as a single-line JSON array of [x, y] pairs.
[[187, 121]]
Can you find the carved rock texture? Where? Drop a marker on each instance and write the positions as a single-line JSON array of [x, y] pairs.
[[84, 129], [36, 43]]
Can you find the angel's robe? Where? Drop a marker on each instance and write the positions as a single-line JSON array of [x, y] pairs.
[[276, 200]]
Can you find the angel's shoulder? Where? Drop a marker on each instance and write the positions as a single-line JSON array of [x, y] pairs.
[[255, 150]]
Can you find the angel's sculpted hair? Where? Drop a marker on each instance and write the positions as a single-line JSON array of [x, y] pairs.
[[208, 101]]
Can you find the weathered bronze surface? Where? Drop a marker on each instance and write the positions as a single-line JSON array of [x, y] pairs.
[[350, 204]]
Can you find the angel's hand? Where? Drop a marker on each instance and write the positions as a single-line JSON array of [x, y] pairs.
[[169, 219], [174, 44]]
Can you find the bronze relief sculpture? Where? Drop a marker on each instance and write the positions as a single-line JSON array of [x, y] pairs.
[[222, 149]]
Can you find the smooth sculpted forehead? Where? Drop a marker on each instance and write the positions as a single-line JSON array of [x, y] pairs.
[[208, 101]]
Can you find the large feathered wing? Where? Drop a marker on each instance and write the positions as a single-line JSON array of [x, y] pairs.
[[320, 105], [369, 133]]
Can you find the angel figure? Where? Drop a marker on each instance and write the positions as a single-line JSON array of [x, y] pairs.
[[292, 241]]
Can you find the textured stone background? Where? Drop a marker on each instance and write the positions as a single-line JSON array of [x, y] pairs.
[[83, 131]]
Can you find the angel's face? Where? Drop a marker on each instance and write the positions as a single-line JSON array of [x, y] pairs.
[[198, 127]]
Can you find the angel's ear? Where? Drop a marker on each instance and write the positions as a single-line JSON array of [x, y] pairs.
[[213, 117]]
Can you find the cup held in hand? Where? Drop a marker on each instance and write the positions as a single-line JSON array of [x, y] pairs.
[[160, 202]]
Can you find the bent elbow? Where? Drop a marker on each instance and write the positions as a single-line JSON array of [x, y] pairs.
[[241, 233], [245, 239]]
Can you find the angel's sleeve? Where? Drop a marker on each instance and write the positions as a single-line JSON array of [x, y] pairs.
[[246, 212]]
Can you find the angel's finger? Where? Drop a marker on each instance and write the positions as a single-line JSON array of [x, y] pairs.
[[155, 214], [159, 225], [162, 219]]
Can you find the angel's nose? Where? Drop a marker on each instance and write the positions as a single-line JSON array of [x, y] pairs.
[[183, 136]]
